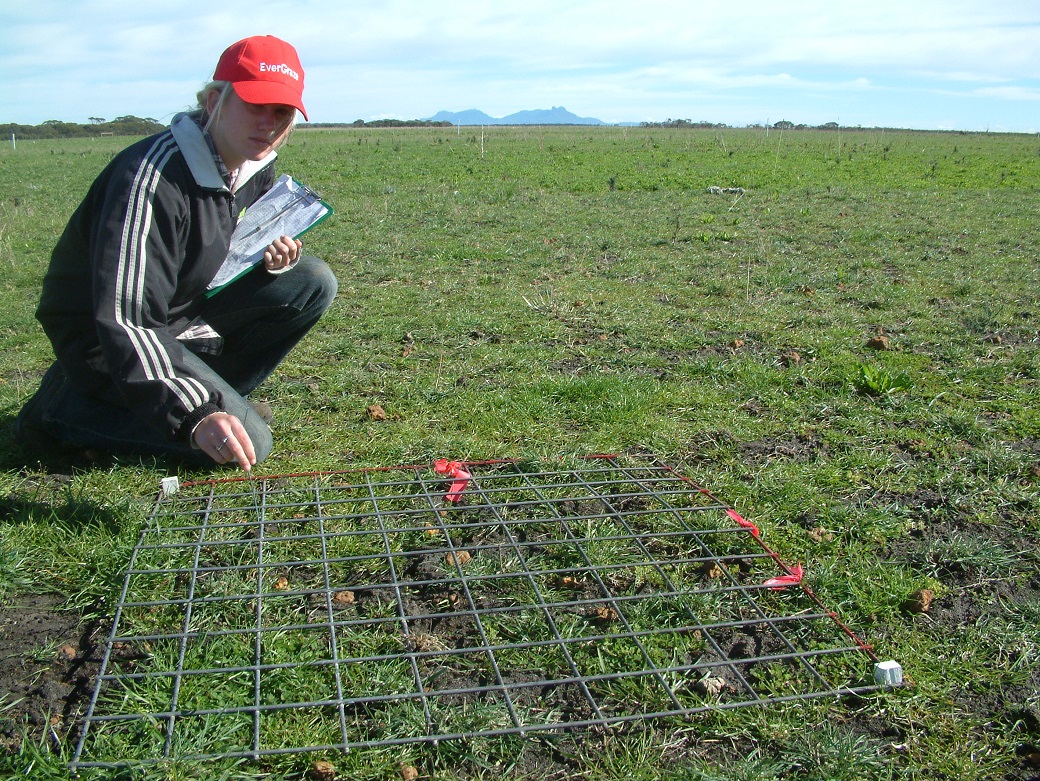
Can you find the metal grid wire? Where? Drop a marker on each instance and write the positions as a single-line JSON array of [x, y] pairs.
[[351, 609]]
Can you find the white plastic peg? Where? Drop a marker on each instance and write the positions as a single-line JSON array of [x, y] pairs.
[[171, 485], [888, 674]]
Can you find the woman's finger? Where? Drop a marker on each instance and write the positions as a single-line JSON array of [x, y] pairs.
[[222, 450], [241, 445]]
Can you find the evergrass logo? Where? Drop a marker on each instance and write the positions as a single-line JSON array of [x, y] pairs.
[[284, 69]]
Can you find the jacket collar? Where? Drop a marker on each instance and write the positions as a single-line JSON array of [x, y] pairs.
[[191, 140]]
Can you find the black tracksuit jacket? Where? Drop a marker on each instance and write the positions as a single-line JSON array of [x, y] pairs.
[[130, 272]]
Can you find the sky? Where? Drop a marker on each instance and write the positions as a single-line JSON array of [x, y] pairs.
[[969, 65]]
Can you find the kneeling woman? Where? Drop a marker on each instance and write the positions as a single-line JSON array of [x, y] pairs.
[[147, 362]]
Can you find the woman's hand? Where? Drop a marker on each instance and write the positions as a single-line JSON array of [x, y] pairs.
[[282, 253], [224, 439]]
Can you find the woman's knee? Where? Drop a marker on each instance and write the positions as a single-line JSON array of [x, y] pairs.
[[259, 434], [320, 281]]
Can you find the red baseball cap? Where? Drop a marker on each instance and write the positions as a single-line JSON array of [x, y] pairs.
[[263, 69]]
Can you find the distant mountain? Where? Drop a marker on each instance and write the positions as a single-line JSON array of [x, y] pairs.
[[557, 115], [470, 117]]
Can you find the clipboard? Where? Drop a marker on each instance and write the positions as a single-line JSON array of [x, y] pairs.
[[289, 208]]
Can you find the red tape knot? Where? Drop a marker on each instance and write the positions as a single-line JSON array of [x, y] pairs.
[[793, 578], [741, 522], [461, 477]]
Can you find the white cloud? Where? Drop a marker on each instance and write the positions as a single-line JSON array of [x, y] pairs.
[[1009, 93]]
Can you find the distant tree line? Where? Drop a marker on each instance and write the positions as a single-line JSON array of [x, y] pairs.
[[53, 128], [382, 123], [783, 124], [684, 123]]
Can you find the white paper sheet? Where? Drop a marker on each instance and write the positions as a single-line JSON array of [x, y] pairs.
[[287, 209]]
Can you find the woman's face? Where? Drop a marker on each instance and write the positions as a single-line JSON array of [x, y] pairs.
[[247, 131]]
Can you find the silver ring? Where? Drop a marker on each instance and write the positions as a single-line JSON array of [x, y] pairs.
[[221, 445]]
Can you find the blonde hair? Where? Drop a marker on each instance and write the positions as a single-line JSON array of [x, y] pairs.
[[225, 89]]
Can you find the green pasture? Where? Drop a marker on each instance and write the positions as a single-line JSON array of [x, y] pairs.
[[838, 333]]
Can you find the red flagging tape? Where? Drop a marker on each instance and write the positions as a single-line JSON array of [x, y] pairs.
[[793, 578], [460, 478], [746, 524], [794, 574]]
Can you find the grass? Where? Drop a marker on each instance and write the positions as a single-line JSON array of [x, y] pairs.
[[13, 577], [571, 291]]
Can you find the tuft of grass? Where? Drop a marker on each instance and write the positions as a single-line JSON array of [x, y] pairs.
[[14, 576], [877, 381], [827, 751]]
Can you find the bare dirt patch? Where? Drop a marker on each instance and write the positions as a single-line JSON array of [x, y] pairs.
[[47, 665], [793, 447]]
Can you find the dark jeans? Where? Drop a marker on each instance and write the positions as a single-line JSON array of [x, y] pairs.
[[260, 318]]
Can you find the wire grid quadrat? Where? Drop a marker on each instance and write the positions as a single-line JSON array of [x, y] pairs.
[[374, 607]]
